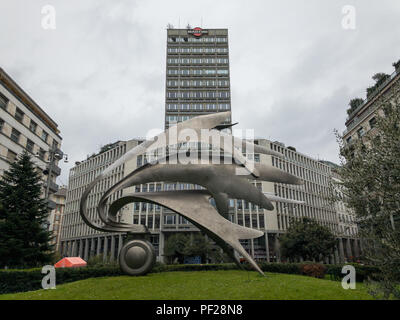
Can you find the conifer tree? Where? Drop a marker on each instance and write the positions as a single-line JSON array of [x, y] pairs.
[[24, 239]]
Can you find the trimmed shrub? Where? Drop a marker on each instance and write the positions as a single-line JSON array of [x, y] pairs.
[[28, 280], [315, 270]]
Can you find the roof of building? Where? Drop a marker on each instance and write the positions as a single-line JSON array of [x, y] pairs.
[[61, 191]]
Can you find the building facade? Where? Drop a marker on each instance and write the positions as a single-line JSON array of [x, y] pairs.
[[363, 118], [56, 216], [197, 75], [24, 125]]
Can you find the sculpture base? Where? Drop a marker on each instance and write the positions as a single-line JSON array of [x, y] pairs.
[[137, 257]]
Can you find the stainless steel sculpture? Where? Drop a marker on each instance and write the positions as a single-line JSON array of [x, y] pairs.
[[220, 181]]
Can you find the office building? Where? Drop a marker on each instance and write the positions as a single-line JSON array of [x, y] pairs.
[[24, 125], [197, 75]]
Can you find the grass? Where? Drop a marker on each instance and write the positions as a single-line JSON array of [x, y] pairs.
[[232, 284]]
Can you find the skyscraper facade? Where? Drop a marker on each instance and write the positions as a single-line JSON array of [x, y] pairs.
[[197, 75]]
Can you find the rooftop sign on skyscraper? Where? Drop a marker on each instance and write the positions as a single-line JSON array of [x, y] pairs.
[[197, 32]]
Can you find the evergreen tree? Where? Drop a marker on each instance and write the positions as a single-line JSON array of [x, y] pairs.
[[307, 239], [24, 239], [370, 175]]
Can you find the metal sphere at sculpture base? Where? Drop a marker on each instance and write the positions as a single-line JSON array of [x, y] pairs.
[[137, 257]]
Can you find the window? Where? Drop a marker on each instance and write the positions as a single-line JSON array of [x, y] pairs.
[[11, 156], [29, 145], [348, 140], [360, 132], [372, 122], [169, 219], [41, 153], [185, 72], [44, 135], [171, 106], [19, 115], [172, 95], [55, 144], [33, 126], [197, 94], [222, 71], [172, 72], [3, 102], [15, 135], [210, 94], [224, 94], [185, 94], [1, 124]]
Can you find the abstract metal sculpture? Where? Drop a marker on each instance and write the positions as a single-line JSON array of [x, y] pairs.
[[221, 181]]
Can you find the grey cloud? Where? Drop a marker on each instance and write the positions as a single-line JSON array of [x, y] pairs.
[[101, 73]]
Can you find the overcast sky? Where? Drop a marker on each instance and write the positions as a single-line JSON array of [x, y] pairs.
[[101, 73]]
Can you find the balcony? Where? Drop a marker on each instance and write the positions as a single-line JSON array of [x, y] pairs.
[[53, 187], [56, 170], [51, 204]]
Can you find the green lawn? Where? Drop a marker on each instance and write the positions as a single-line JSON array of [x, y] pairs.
[[232, 284]]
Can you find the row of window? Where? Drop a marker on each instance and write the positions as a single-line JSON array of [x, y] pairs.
[[196, 50], [16, 136], [197, 72], [198, 40], [198, 94], [197, 61], [197, 106], [19, 116], [298, 158], [174, 119], [198, 83]]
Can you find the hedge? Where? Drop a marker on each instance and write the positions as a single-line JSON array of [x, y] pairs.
[[28, 280]]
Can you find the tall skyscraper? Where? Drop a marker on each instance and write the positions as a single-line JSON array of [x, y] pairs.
[[197, 77]]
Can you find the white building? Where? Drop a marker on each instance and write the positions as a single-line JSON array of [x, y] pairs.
[[79, 239], [24, 125]]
